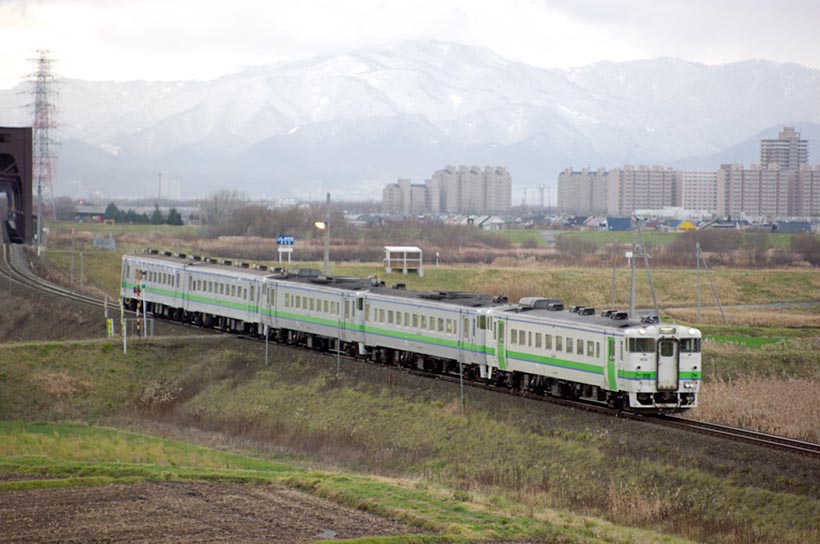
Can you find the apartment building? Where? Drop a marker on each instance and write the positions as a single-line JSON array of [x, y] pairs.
[[788, 151], [583, 191], [464, 189]]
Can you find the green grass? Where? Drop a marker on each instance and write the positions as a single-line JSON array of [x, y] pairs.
[[512, 456], [76, 455]]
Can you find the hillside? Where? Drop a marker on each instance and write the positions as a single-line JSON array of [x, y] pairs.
[[350, 122]]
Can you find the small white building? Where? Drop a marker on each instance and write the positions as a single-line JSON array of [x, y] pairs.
[[405, 258]]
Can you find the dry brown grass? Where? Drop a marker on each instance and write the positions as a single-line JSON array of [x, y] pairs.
[[770, 405], [59, 384], [751, 317]]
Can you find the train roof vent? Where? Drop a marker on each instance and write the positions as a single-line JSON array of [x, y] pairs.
[[151, 251], [196, 258], [241, 265], [587, 311], [607, 313], [304, 273], [651, 318], [260, 267], [619, 315], [226, 262], [538, 303], [576, 309], [180, 255], [555, 307], [399, 286], [167, 254], [210, 260]]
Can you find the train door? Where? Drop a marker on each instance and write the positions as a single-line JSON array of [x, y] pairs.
[[466, 343], [667, 351], [501, 346], [610, 364]]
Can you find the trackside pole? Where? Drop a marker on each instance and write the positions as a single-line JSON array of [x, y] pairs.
[[266, 345]]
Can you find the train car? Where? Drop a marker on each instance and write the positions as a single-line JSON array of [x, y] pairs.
[[533, 345]]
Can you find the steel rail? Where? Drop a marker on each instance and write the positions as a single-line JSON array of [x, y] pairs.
[[715, 429]]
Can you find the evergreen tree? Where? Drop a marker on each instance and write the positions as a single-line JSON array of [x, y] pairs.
[[174, 217], [157, 218], [112, 212]]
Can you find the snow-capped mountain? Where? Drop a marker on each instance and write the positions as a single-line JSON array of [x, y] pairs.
[[351, 122]]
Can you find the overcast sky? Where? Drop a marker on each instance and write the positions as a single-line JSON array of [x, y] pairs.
[[186, 39]]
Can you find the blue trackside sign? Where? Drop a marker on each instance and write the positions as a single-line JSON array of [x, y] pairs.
[[284, 240]]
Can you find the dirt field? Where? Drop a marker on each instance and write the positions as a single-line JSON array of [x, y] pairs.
[[182, 512]]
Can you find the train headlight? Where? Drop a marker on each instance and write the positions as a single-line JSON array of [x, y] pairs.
[[642, 330], [688, 385], [693, 331]]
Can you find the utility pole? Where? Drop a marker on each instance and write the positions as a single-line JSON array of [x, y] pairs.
[[632, 286], [697, 258], [327, 234]]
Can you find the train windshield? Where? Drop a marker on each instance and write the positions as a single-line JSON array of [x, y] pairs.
[[690, 345], [641, 345]]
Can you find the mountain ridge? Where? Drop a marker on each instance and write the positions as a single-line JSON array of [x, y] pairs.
[[350, 122]]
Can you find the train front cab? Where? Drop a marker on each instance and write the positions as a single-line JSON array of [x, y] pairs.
[[661, 368]]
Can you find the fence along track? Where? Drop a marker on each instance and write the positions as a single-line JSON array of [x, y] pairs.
[[734, 433]]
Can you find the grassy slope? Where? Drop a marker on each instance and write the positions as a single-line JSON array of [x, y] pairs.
[[301, 405], [76, 455]]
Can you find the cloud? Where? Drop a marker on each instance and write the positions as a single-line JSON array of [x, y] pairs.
[[152, 39]]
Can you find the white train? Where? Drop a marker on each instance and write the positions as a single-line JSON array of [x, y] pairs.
[[533, 345]]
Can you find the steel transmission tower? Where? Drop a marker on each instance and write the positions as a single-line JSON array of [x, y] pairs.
[[45, 147]]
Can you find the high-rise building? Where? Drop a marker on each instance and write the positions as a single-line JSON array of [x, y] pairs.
[[701, 191], [454, 190], [788, 151], [642, 188], [758, 192], [584, 191], [807, 191]]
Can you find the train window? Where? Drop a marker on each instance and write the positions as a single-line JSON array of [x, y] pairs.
[[559, 343], [473, 326], [424, 322], [252, 292], [380, 319], [597, 350], [641, 345], [440, 324], [579, 347], [466, 327], [367, 312], [325, 306], [547, 341], [312, 304], [390, 316], [590, 348], [360, 303], [190, 282], [244, 293], [667, 349], [538, 340], [513, 336], [406, 319], [690, 345], [529, 339], [568, 344], [449, 326], [210, 287], [482, 322], [287, 300], [621, 350], [415, 321], [522, 338], [177, 284]]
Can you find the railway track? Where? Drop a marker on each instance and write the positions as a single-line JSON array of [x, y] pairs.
[[12, 273], [8, 270]]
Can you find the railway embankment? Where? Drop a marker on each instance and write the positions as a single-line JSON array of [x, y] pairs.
[[503, 454]]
